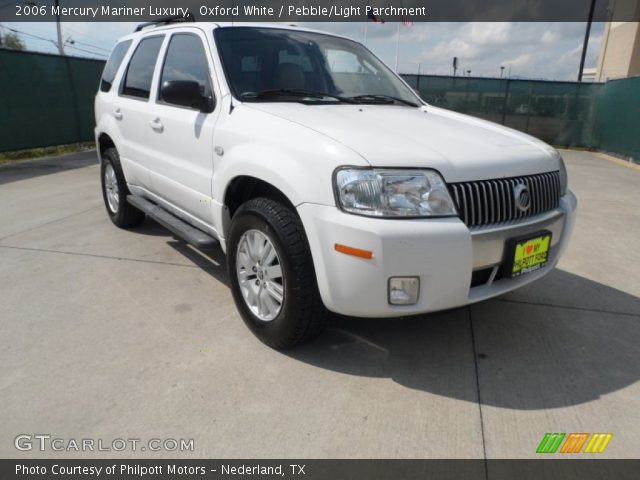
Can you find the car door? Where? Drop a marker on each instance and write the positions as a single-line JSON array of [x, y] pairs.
[[133, 110], [183, 137]]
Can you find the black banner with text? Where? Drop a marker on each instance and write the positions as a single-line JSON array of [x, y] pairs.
[[320, 10], [320, 469]]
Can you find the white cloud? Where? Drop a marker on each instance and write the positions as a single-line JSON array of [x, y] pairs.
[[538, 50], [521, 61], [549, 37], [490, 33]]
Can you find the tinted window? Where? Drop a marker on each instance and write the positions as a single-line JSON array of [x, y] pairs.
[[302, 60], [352, 74], [257, 59], [250, 64], [140, 72], [111, 68], [186, 60]]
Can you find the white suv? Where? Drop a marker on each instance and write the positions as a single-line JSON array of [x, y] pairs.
[[329, 184]]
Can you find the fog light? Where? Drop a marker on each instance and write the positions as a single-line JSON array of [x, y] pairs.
[[404, 290]]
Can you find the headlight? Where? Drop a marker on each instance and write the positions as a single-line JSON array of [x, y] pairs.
[[564, 181], [393, 193]]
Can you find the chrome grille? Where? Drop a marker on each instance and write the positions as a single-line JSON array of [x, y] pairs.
[[488, 202]]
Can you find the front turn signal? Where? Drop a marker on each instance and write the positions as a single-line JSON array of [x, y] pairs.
[[356, 252]]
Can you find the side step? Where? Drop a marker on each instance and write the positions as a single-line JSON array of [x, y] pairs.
[[189, 234]]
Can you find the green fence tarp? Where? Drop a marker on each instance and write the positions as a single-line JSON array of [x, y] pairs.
[[48, 100], [617, 125], [561, 113]]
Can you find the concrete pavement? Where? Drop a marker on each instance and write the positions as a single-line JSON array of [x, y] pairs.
[[109, 333], [46, 166]]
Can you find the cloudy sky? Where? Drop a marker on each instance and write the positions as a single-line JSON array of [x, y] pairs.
[[530, 50]]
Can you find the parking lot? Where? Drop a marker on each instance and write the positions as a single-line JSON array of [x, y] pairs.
[[109, 333]]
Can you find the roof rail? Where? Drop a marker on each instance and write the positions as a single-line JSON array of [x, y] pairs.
[[167, 20]]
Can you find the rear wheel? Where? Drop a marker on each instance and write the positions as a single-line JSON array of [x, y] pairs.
[[115, 191], [272, 277]]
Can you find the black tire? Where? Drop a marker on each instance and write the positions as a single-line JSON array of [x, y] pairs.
[[126, 215], [302, 316]]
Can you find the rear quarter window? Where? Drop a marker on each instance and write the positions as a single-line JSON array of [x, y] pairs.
[[113, 64]]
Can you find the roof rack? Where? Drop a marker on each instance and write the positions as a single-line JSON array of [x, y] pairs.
[[167, 20]]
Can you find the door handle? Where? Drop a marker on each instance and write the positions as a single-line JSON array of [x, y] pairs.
[[117, 113], [156, 125]]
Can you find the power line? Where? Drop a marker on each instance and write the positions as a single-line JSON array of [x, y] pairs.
[[39, 40], [91, 46], [98, 54], [56, 43], [87, 51], [89, 37], [73, 41], [29, 34]]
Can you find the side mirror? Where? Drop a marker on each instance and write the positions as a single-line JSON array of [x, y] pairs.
[[186, 93]]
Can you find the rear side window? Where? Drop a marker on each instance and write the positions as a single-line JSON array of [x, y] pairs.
[[111, 68], [186, 60], [137, 82]]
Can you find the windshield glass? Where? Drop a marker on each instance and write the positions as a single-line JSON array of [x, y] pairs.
[[268, 64]]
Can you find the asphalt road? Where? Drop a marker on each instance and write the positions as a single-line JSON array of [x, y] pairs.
[[107, 333]]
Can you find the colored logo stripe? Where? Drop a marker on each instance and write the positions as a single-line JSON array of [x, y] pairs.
[[574, 443], [550, 443], [598, 442]]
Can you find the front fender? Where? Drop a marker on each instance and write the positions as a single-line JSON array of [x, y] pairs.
[[294, 159]]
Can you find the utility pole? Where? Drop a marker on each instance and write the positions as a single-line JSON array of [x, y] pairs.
[[455, 65], [585, 44], [364, 42], [501, 71], [397, 47], [59, 29]]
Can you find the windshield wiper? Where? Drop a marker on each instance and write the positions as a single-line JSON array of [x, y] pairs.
[[297, 93], [379, 98]]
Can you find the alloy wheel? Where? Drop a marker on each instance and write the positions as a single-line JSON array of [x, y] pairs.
[[260, 275]]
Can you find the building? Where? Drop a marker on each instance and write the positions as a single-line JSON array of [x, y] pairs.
[[589, 74], [620, 49]]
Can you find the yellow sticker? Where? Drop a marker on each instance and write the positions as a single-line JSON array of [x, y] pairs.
[[531, 254]]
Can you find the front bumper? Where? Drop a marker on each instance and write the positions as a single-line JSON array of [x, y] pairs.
[[443, 252]]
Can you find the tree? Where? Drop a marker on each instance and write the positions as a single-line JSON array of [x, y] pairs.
[[13, 41]]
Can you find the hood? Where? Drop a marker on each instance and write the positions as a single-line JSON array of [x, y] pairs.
[[460, 147]]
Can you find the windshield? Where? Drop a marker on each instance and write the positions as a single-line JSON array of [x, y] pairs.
[[268, 64]]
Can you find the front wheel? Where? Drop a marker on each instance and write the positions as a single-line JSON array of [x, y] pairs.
[[272, 277]]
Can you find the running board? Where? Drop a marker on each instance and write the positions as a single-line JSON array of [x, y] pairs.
[[182, 229]]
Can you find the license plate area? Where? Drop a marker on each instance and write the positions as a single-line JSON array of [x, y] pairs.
[[526, 254]]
